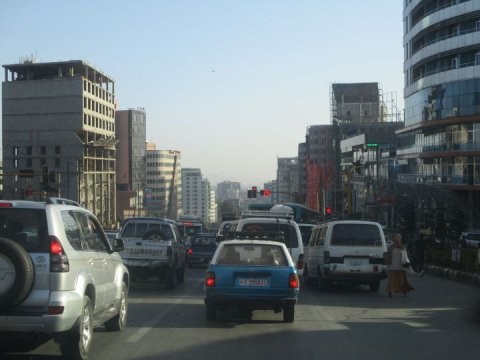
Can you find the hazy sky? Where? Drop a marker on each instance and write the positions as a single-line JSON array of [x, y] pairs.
[[231, 84]]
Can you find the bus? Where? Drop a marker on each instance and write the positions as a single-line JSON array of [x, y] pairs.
[[301, 213]]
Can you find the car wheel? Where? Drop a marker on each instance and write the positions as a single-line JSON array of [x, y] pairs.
[[181, 274], [374, 286], [289, 312], [171, 278], [17, 272], [119, 321], [76, 343], [306, 276], [211, 311]]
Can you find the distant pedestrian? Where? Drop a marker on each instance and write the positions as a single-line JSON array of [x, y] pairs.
[[397, 260]]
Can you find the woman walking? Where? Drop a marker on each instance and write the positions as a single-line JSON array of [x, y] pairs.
[[397, 261]]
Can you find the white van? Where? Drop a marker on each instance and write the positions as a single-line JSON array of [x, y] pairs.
[[349, 251], [288, 228]]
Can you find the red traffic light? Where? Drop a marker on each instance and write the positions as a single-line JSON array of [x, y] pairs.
[[267, 192], [328, 210]]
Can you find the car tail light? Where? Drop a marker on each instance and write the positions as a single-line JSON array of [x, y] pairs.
[[293, 281], [58, 258], [300, 262], [55, 310], [326, 257], [210, 279], [190, 251], [3, 204]]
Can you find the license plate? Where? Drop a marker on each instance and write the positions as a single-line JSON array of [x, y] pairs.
[[148, 252], [136, 262], [253, 282], [358, 262]]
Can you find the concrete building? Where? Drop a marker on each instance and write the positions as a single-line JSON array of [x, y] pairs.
[[164, 182], [287, 180], [195, 194], [228, 190], [130, 131], [440, 144], [58, 134]]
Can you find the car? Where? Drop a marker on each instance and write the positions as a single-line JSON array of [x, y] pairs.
[[348, 251], [251, 275], [305, 230], [201, 250], [59, 274], [470, 238], [282, 225], [154, 248]]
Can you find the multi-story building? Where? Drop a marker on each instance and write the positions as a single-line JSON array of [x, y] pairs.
[[131, 132], [287, 180], [212, 211], [440, 144], [58, 134], [195, 194], [228, 190], [164, 182]]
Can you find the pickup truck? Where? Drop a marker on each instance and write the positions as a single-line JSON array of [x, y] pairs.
[[153, 247]]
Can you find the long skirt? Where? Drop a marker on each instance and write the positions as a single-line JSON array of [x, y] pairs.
[[397, 282]]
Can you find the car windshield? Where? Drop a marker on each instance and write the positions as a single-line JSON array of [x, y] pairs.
[[473, 236], [252, 254], [356, 234]]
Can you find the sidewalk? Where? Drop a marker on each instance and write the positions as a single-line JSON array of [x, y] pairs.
[[452, 274]]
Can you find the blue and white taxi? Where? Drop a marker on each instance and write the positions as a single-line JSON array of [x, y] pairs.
[[252, 275]]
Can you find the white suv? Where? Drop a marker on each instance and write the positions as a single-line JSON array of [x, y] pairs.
[[59, 275]]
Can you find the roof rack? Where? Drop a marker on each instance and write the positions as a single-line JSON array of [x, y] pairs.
[[266, 214], [62, 201], [260, 235]]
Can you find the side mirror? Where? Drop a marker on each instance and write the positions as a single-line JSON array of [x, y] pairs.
[[118, 245]]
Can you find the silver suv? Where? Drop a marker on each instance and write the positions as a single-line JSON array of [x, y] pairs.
[[59, 275]]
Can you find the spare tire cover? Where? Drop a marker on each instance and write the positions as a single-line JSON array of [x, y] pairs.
[[16, 273]]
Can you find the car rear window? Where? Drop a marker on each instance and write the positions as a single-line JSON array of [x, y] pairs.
[[252, 254], [28, 227], [203, 241], [140, 229], [287, 231], [473, 236], [356, 235]]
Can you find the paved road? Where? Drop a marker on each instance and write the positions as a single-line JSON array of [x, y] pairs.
[[436, 321]]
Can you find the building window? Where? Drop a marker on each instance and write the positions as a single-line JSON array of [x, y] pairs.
[[57, 162], [15, 163], [57, 149], [15, 150], [29, 150], [43, 161], [29, 163], [477, 58], [43, 150]]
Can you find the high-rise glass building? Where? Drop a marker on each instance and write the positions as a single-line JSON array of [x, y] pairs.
[[440, 144]]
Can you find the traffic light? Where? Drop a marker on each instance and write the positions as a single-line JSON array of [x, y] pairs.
[[249, 194], [328, 210], [265, 192], [254, 191]]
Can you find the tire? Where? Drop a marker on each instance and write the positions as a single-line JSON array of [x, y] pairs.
[[306, 276], [76, 343], [119, 321], [20, 269], [374, 286], [181, 275], [171, 278], [289, 312], [154, 235], [211, 312]]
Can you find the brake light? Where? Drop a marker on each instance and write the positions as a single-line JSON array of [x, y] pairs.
[[190, 251], [55, 310], [6, 204], [326, 257], [58, 258], [293, 281], [210, 279], [300, 262]]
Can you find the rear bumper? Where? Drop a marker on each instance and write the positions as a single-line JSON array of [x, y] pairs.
[[16, 321], [353, 276], [254, 301]]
